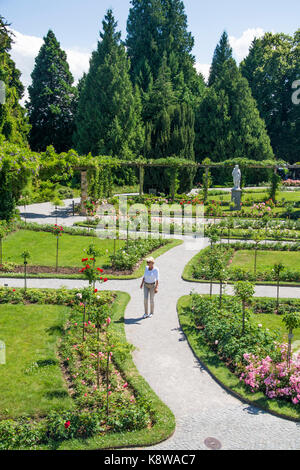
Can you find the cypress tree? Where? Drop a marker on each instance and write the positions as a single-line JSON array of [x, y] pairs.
[[108, 120], [222, 54], [169, 130], [13, 123], [52, 98]]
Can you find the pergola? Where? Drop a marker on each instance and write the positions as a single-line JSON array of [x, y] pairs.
[[184, 164]]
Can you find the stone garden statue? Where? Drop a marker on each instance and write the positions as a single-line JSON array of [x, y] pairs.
[[236, 192], [237, 175]]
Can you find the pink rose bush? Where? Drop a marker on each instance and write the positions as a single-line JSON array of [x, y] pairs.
[[274, 378], [291, 183]]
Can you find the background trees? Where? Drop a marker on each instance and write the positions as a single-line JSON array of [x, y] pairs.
[[271, 67], [228, 122], [13, 123], [108, 120], [51, 98]]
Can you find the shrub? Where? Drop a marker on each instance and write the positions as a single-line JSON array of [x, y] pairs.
[[127, 258]]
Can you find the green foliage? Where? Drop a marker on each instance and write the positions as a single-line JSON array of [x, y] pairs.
[[291, 321], [270, 68], [244, 291], [157, 31], [52, 98], [126, 259], [14, 125], [222, 54], [228, 121], [275, 185], [108, 119], [222, 330], [169, 130]]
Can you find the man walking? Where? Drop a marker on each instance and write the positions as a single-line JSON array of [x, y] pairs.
[[150, 284]]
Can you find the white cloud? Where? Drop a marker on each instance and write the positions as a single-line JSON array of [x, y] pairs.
[[240, 46], [204, 69], [26, 48]]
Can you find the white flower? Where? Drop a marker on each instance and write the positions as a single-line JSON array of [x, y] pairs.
[[79, 296], [259, 325]]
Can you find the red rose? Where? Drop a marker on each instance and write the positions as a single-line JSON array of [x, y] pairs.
[[67, 424], [100, 270], [105, 279], [96, 290]]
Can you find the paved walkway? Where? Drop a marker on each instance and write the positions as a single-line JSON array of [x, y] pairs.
[[201, 407]]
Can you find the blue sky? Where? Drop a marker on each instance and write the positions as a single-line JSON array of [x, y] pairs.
[[76, 24]]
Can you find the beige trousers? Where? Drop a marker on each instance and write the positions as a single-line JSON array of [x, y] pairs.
[[149, 289]]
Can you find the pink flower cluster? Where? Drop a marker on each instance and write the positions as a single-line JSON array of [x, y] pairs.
[[262, 208], [291, 182], [275, 379]]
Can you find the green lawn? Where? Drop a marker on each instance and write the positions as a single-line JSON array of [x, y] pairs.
[[259, 196], [266, 259], [42, 247], [31, 380]]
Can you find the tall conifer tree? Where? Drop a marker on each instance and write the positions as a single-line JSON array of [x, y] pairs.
[[52, 98], [13, 123], [228, 122], [108, 120], [222, 54]]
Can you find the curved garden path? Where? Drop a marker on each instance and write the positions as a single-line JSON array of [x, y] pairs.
[[201, 407]]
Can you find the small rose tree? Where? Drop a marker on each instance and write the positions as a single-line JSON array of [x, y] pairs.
[[57, 231], [258, 237], [291, 321], [278, 268], [26, 256], [244, 291]]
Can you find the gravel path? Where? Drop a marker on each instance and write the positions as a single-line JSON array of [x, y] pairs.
[[201, 407]]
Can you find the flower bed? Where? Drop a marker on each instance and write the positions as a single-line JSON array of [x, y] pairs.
[[127, 258], [215, 335], [91, 354], [274, 377], [256, 356], [291, 183]]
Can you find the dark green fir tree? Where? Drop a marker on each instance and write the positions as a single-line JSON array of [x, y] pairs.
[[52, 98]]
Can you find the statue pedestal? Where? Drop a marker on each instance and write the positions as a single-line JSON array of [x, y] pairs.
[[236, 198]]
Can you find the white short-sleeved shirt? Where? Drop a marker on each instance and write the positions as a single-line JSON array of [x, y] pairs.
[[151, 276]]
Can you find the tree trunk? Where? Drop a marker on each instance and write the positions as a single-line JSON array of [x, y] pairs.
[[98, 359], [107, 385], [83, 325], [25, 276], [57, 241]]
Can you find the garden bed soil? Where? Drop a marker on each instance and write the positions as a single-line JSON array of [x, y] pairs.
[[19, 269]]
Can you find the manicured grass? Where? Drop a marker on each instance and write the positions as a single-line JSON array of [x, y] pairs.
[[31, 380], [222, 374], [42, 247], [70, 253], [265, 259], [164, 420], [275, 322], [187, 274]]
